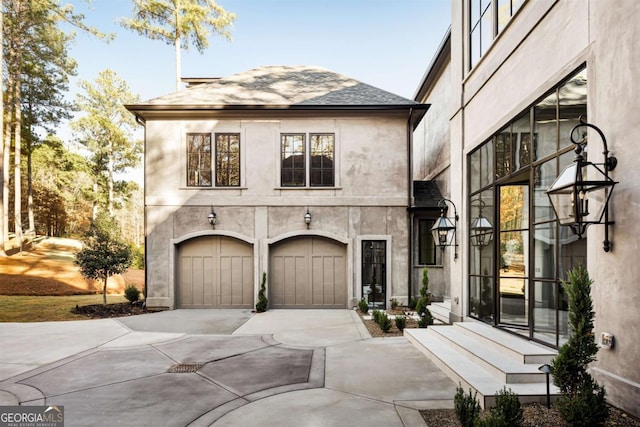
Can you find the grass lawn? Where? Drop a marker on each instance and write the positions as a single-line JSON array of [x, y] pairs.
[[48, 308]]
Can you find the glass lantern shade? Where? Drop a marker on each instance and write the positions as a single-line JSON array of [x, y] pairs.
[[444, 232], [481, 232], [580, 195]]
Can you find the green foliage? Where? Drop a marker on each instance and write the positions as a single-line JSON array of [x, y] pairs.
[[508, 407], [384, 322], [425, 299], [103, 253], [363, 306], [583, 400], [376, 315], [137, 256], [466, 407], [394, 303], [132, 293], [263, 302], [401, 322], [413, 302], [492, 419]]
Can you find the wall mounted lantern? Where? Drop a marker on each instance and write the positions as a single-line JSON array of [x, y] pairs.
[[481, 229], [444, 230], [212, 218], [307, 218], [580, 195]]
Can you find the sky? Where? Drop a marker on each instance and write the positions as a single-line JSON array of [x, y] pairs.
[[385, 43]]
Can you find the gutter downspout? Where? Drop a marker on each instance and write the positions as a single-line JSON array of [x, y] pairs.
[[411, 203]]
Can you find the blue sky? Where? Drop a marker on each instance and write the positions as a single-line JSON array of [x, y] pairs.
[[385, 43]]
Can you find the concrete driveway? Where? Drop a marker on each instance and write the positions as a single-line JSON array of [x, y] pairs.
[[220, 368]]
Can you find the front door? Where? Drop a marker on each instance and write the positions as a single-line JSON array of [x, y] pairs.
[[374, 287]]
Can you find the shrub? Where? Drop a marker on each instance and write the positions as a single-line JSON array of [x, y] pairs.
[[376, 315], [508, 406], [263, 302], [412, 303], [401, 322], [132, 293], [583, 401], [426, 320], [363, 306], [421, 306], [394, 303], [384, 322], [466, 407], [492, 419]]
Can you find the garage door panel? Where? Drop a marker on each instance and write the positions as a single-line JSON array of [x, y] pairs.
[[215, 272], [306, 271]]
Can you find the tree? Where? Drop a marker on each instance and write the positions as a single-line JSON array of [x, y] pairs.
[[180, 23], [103, 253], [107, 129], [422, 309], [583, 400]]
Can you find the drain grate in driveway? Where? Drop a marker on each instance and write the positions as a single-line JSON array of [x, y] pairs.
[[184, 368]]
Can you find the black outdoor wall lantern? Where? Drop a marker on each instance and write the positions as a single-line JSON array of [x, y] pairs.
[[481, 229], [580, 195], [444, 230], [212, 218]]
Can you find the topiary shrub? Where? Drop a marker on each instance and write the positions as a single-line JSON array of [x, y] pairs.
[[132, 293], [583, 401], [375, 314], [466, 407], [401, 322], [263, 302], [426, 318], [363, 306], [384, 322], [508, 407]]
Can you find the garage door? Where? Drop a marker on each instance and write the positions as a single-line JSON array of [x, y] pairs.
[[215, 272], [308, 272]]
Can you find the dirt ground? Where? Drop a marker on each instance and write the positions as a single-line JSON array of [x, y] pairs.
[[47, 268]]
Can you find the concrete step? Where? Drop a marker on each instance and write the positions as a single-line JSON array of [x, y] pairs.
[[471, 362], [440, 311]]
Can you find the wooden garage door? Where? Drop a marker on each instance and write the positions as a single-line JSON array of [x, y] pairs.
[[215, 272], [308, 272]]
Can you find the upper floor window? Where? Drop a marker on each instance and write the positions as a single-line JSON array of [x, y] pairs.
[[199, 159], [227, 160], [487, 18], [294, 160]]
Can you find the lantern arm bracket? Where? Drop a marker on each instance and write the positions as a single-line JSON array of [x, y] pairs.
[[610, 162]]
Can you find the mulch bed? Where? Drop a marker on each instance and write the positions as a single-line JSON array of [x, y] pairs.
[[99, 311], [535, 415], [375, 330]]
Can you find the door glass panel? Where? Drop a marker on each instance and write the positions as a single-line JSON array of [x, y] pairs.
[[374, 273], [543, 177], [544, 253], [544, 311]]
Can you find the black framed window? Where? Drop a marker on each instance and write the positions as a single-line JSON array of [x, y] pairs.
[[293, 166], [322, 149], [426, 244], [227, 159], [199, 159]]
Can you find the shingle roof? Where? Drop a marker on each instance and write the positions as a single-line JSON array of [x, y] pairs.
[[281, 86], [426, 195]]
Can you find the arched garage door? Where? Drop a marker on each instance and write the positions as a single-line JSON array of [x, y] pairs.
[[308, 272], [215, 272]]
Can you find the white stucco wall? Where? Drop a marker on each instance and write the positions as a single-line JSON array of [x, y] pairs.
[[542, 45], [369, 199]]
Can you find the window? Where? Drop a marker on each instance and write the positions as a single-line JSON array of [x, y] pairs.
[[293, 166], [487, 18], [227, 160], [198, 159], [426, 244]]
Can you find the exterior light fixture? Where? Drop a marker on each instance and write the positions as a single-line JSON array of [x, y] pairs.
[[580, 195], [307, 218], [212, 218], [481, 229], [546, 369], [444, 230]]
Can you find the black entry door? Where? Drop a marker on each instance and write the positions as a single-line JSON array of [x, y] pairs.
[[374, 287]]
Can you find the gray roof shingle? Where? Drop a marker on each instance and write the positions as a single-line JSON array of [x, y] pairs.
[[283, 86]]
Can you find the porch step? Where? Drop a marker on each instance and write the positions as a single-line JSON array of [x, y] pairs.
[[485, 362], [440, 311]]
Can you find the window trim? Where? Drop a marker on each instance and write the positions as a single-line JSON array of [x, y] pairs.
[[215, 160], [188, 153], [307, 137]]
